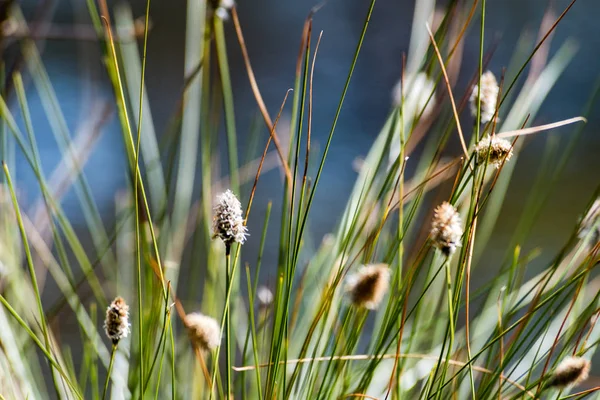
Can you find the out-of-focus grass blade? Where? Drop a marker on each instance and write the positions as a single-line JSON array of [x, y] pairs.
[[148, 144], [61, 132], [190, 133]]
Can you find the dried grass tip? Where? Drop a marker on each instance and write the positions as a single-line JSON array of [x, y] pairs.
[[591, 223], [228, 223], [204, 331], [446, 228], [571, 371], [116, 323], [493, 150], [368, 285], [489, 97]]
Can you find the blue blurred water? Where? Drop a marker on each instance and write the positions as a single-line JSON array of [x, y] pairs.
[[272, 30]]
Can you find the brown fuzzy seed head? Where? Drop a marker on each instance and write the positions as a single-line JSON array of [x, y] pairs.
[[493, 150], [204, 331], [368, 286], [446, 228], [571, 371], [489, 97], [116, 324]]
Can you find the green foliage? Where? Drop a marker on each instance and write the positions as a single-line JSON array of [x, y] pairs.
[[436, 335]]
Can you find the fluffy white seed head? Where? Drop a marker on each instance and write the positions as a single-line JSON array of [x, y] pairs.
[[494, 150], [368, 285], [446, 228], [418, 89], [222, 10], [571, 371], [590, 224], [264, 296], [489, 97], [204, 331], [116, 324], [222, 13], [228, 223]]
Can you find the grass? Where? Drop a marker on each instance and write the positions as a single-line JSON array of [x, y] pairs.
[[444, 326]]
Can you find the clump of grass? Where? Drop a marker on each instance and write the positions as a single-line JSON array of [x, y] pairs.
[[400, 301]]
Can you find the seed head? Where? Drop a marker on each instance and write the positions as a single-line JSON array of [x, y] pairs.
[[493, 150], [418, 89], [489, 97], [446, 228], [116, 323], [222, 10], [265, 296], [368, 286], [228, 223], [591, 223], [203, 331], [571, 371]]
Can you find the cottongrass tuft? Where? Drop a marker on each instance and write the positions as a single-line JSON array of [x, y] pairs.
[[446, 228], [368, 286], [591, 223], [204, 331], [494, 150], [489, 97], [264, 296], [228, 223], [116, 324], [571, 371]]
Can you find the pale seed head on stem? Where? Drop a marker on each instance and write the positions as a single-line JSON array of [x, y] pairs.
[[116, 324], [571, 371], [264, 296], [489, 97], [368, 285], [223, 8], [493, 150], [228, 222], [446, 228], [204, 331]]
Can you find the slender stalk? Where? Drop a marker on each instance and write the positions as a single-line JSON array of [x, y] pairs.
[[136, 205], [228, 105], [228, 319], [478, 119], [451, 320], [32, 274], [109, 371], [253, 333]]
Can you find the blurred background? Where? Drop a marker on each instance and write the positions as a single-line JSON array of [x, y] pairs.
[[272, 30]]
